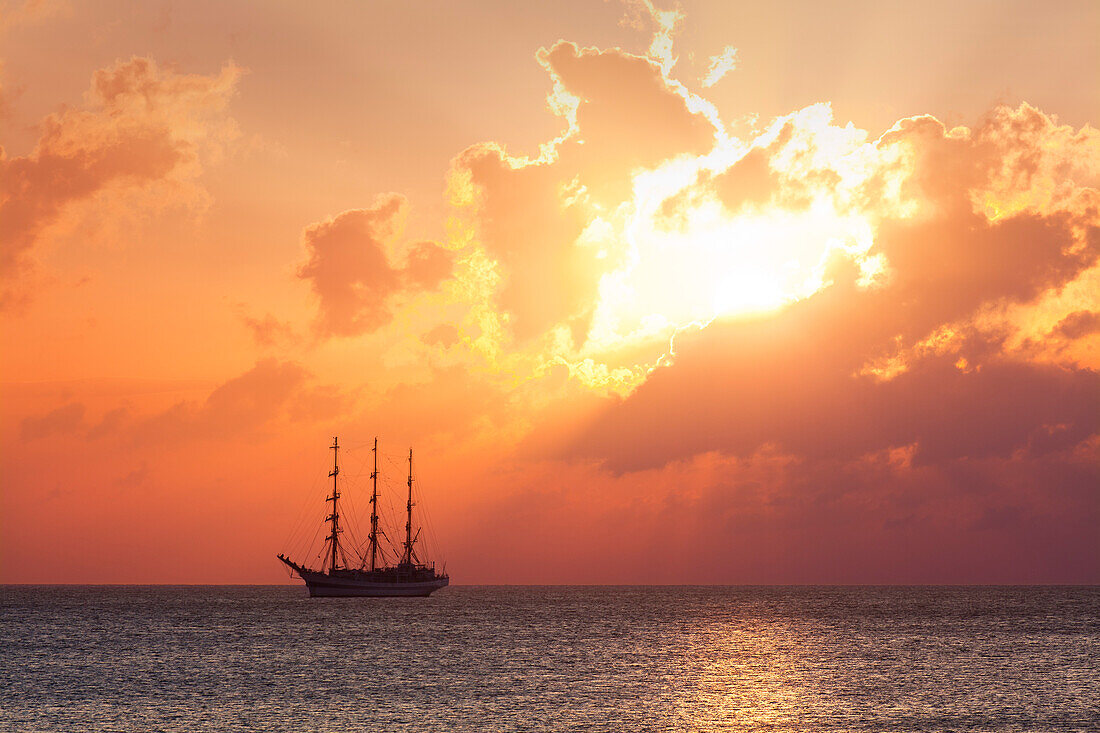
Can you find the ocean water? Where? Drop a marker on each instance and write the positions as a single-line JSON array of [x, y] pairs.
[[154, 658]]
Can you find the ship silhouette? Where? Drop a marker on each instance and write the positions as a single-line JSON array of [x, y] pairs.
[[410, 576]]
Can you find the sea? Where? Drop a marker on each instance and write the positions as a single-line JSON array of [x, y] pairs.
[[555, 658]]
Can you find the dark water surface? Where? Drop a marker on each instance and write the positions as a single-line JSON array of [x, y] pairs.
[[222, 658]]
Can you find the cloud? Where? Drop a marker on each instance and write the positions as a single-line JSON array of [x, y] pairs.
[[1079, 324], [629, 114], [773, 517], [427, 265], [939, 224], [236, 409], [268, 330], [110, 423], [793, 380], [749, 182], [643, 14], [522, 224], [624, 115], [888, 383], [820, 327], [240, 408], [13, 15], [350, 272], [644, 218], [720, 65], [65, 419], [797, 378], [140, 124], [444, 335]]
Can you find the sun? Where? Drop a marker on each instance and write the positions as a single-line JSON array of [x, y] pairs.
[[708, 262]]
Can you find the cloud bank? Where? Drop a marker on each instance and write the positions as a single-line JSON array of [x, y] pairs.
[[140, 125], [349, 270]]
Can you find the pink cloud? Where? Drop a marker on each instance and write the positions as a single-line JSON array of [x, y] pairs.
[[1079, 324], [65, 419], [140, 124], [969, 446], [530, 213], [350, 272]]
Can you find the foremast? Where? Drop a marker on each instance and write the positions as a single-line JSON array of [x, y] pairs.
[[409, 557], [374, 511], [334, 518]]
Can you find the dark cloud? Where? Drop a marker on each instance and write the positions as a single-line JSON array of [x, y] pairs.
[[444, 335], [36, 187], [964, 449], [236, 409], [110, 423], [629, 115], [268, 330], [944, 268], [427, 265], [794, 381], [349, 271], [63, 420], [529, 214], [139, 126], [1079, 324], [748, 181], [773, 517], [522, 223]]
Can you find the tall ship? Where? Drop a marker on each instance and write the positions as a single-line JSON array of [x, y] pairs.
[[367, 574]]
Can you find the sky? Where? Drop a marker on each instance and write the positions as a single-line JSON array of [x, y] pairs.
[[699, 293]]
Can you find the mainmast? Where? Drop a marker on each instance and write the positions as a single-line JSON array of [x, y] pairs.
[[374, 510], [408, 559], [334, 518]]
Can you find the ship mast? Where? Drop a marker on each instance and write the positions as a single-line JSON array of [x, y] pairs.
[[374, 510], [334, 518], [408, 559]]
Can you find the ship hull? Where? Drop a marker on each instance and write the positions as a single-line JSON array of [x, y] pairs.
[[384, 583], [322, 585]]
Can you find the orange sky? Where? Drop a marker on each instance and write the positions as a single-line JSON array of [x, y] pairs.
[[710, 293]]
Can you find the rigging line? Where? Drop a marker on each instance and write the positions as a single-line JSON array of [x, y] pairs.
[[352, 512], [393, 548], [383, 557], [432, 533], [391, 515], [432, 549], [431, 544], [312, 542], [362, 467], [313, 497], [304, 542], [302, 513], [301, 545], [430, 540]]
